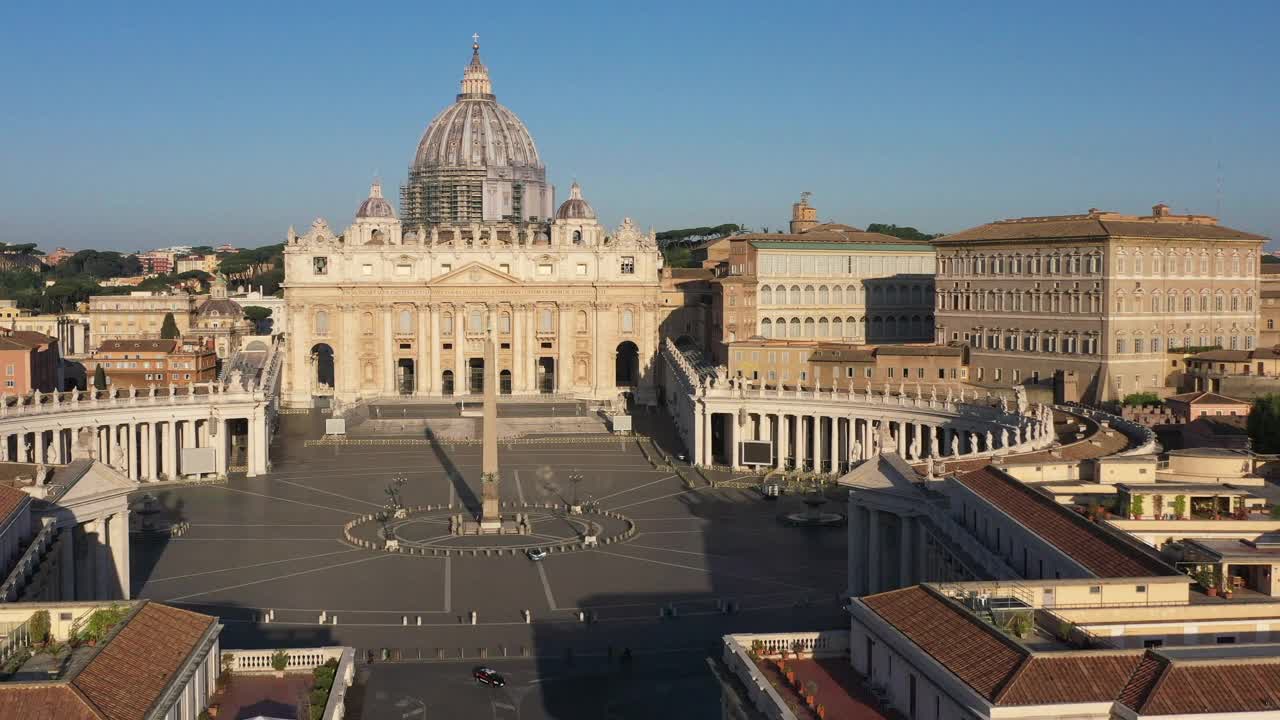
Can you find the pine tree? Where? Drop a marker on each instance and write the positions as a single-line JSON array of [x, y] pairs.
[[99, 378], [1264, 424], [169, 329]]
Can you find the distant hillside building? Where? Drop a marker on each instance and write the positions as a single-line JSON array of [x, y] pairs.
[[144, 363], [28, 361]]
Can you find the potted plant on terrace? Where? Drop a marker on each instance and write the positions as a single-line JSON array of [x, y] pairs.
[[1180, 507], [279, 661], [1203, 576]]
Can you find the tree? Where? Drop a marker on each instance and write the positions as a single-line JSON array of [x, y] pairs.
[[99, 378], [906, 233], [1270, 259], [1264, 424], [169, 329], [1142, 398], [678, 256], [1136, 508], [257, 313]]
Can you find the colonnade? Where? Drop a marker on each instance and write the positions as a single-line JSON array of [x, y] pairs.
[[826, 441], [144, 450]]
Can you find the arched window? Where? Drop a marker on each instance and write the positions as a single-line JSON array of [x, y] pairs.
[[406, 322], [824, 295], [1235, 301], [808, 294], [366, 323], [837, 295], [794, 297], [766, 295], [1219, 301], [824, 328], [1187, 302], [1204, 301], [795, 328], [809, 327], [837, 328], [628, 321], [475, 321], [1248, 301], [853, 294], [581, 317], [322, 322], [577, 237], [1171, 303], [766, 328], [446, 324]]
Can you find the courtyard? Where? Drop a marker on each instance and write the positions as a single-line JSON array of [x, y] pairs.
[[268, 556]]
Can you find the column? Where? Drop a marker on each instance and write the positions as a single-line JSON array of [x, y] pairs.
[[564, 351], [906, 564], [922, 552], [519, 351], [784, 441], [42, 450], [739, 434], [917, 442], [152, 437], [257, 450], [834, 450], [217, 434], [873, 551], [766, 433], [169, 445], [947, 438], [707, 456], [461, 381], [388, 354], [937, 441], [118, 528], [800, 443], [347, 367], [695, 452], [131, 450], [866, 439], [436, 370], [423, 370]]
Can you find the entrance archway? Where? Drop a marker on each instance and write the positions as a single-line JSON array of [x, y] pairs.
[[627, 365], [504, 382], [546, 375], [322, 372], [475, 376], [446, 382], [406, 378]]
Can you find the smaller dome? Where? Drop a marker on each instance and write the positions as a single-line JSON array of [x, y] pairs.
[[375, 206], [575, 208]]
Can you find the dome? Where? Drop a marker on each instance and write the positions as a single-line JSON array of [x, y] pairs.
[[476, 132], [375, 206], [575, 208]]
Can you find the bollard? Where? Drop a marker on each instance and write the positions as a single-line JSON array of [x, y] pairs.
[[473, 617], [582, 616], [404, 619], [528, 617], [419, 621], [273, 615], [524, 651], [439, 653], [333, 620]]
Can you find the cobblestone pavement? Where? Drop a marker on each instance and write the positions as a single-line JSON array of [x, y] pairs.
[[273, 543]]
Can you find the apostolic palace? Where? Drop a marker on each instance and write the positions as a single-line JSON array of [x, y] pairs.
[[401, 306]]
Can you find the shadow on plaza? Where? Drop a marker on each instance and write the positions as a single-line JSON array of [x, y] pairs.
[[642, 654], [151, 533], [465, 494]]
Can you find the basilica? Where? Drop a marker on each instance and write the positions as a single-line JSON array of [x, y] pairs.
[[400, 305]]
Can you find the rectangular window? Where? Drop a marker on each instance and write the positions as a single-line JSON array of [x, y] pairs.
[[8, 369], [628, 265], [446, 268], [403, 269], [1152, 644], [1095, 589], [506, 268], [366, 269], [582, 269], [544, 269]]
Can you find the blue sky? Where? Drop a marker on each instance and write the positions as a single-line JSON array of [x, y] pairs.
[[135, 125]]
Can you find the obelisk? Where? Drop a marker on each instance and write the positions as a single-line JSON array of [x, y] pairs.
[[490, 514]]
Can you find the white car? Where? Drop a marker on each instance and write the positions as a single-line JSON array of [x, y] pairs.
[[536, 554]]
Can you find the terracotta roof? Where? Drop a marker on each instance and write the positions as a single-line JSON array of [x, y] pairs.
[[44, 701], [1093, 226], [1099, 552], [1164, 687], [23, 339], [920, 350], [126, 678], [1206, 397], [976, 654], [1070, 678], [1233, 425], [1223, 355], [10, 500], [167, 346]]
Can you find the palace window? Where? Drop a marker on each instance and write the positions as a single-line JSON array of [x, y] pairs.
[[320, 265], [544, 269], [446, 324], [545, 320], [404, 269], [406, 321], [628, 265], [322, 322], [504, 323], [628, 321], [476, 322], [366, 269]]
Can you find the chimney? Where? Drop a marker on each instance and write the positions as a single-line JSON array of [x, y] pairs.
[[1159, 210]]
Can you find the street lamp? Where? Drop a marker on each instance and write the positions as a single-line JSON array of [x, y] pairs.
[[575, 478]]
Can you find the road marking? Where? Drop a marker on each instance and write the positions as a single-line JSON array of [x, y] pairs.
[[326, 492], [246, 567], [708, 571], [546, 587], [655, 482], [519, 490], [281, 577], [295, 502], [663, 497]]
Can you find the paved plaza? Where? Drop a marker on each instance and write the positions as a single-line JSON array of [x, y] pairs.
[[274, 543]]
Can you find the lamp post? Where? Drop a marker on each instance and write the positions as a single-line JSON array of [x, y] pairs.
[[574, 479]]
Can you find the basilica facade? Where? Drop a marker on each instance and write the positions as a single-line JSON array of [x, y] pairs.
[[394, 307]]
